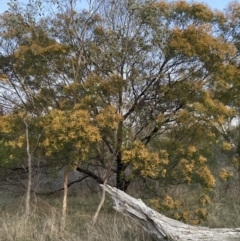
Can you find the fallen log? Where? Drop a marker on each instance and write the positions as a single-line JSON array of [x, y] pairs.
[[162, 227]]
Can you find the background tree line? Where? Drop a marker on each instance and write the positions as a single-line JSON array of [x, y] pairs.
[[152, 85]]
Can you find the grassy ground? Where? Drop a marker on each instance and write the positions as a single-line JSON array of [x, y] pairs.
[[223, 213], [44, 222]]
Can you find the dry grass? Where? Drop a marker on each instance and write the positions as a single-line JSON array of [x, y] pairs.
[[224, 213], [44, 222]]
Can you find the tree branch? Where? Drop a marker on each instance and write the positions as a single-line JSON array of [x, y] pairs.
[[90, 174]]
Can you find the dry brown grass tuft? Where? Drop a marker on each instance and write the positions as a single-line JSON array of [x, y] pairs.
[[44, 222], [224, 213]]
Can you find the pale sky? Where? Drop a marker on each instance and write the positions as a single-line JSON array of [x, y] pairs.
[[215, 4]]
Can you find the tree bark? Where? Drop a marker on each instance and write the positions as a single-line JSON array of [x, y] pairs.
[[64, 205], [29, 154], [162, 227], [119, 181]]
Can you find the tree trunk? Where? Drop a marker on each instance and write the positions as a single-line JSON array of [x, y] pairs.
[[119, 181], [122, 183], [29, 154], [162, 227], [64, 205]]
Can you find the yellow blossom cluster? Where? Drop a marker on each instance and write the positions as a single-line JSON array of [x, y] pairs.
[[235, 161], [6, 123], [206, 176], [187, 168], [205, 200], [74, 128], [225, 175], [169, 203], [149, 164], [108, 118], [226, 146]]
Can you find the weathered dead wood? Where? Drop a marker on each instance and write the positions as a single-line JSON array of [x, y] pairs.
[[162, 227]]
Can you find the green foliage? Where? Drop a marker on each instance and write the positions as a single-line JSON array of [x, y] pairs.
[[12, 140]]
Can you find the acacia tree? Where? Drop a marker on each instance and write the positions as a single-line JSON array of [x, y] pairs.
[[137, 80], [228, 91]]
